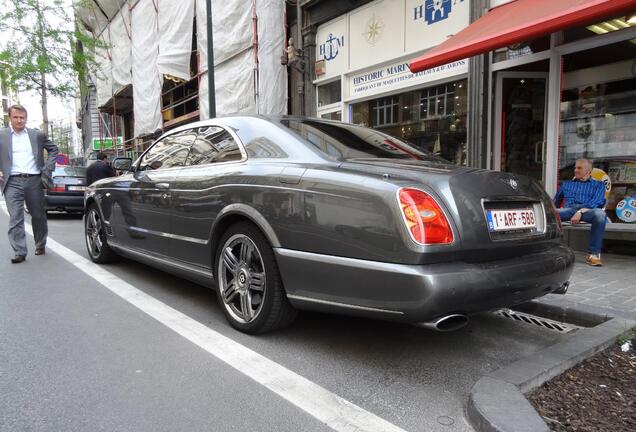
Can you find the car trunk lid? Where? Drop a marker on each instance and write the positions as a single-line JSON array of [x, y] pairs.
[[490, 211]]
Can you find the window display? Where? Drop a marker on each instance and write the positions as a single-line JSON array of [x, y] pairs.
[[598, 122], [432, 118]]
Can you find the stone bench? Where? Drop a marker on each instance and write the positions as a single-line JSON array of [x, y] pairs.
[[617, 235]]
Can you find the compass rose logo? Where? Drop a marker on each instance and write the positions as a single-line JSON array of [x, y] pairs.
[[374, 30]]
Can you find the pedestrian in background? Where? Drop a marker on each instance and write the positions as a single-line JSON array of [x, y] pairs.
[[583, 200], [24, 173], [99, 169]]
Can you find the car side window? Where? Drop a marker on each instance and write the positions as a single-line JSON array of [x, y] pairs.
[[169, 152], [213, 144]]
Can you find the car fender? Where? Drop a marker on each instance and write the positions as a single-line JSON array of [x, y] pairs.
[[92, 197], [246, 211]]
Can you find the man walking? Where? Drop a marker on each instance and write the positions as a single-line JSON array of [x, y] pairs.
[[583, 199], [23, 175], [99, 169]]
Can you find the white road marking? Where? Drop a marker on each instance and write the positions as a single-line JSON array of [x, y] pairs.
[[329, 408]]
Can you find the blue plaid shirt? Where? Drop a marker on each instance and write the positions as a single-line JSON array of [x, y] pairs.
[[581, 194]]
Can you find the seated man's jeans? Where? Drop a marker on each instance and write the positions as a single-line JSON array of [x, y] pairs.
[[596, 217]]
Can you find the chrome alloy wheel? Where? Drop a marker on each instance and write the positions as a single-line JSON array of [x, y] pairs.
[[242, 278], [94, 233]]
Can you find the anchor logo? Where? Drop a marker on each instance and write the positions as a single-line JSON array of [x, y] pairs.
[[330, 49]]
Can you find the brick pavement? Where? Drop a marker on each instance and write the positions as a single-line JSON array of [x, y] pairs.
[[612, 286]]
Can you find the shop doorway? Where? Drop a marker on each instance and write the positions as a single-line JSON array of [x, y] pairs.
[[520, 113]]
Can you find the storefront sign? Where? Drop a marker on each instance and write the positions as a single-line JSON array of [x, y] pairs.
[[396, 76], [105, 143], [319, 67], [386, 30], [429, 22], [332, 47]]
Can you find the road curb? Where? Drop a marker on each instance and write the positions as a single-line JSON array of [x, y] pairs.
[[497, 401]]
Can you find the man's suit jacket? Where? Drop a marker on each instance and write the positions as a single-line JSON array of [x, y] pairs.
[[39, 142]]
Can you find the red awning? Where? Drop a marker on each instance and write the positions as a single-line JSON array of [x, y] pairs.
[[519, 21]]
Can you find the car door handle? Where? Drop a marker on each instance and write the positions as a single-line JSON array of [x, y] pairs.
[[162, 185]]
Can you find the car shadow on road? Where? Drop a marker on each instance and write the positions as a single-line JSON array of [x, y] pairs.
[[64, 215]]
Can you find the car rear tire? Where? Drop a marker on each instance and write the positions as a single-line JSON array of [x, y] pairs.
[[96, 242], [250, 288]]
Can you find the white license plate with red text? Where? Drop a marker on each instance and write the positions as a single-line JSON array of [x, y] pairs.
[[513, 219]]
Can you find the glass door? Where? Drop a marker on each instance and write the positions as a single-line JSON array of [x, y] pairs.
[[521, 121]]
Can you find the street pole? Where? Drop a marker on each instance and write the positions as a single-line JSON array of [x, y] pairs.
[[211, 89]]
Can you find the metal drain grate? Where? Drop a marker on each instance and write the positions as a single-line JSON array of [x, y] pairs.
[[536, 320]]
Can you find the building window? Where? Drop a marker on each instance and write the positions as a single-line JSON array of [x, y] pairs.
[[329, 93]]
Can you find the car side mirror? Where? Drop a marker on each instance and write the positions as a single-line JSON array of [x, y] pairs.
[[122, 164]]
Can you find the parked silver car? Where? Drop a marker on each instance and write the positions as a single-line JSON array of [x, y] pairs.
[[289, 213]]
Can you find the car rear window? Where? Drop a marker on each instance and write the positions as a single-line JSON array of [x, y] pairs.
[[347, 141], [69, 171]]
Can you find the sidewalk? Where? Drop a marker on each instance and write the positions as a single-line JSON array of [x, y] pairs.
[[611, 286]]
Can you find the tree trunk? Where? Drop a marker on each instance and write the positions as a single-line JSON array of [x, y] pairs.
[[45, 103], [45, 115]]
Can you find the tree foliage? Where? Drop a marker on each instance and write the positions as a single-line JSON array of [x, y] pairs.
[[41, 50]]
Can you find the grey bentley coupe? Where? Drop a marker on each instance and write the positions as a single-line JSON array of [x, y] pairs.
[[289, 213]]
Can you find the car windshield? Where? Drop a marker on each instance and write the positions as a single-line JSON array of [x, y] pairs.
[[347, 141], [69, 171]]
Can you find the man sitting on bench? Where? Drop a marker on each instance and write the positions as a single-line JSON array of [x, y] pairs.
[[583, 199]]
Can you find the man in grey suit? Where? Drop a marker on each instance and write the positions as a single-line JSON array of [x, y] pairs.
[[23, 176]]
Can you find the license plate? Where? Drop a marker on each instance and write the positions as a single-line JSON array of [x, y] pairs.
[[503, 220], [77, 188]]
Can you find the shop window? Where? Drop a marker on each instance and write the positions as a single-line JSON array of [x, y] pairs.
[[598, 121], [522, 49], [329, 93], [385, 111], [436, 126], [609, 25], [437, 101]]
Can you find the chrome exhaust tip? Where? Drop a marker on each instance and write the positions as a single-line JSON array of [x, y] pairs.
[[447, 323], [562, 289]]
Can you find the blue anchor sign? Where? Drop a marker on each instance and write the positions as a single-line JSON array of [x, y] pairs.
[[329, 50], [434, 11]]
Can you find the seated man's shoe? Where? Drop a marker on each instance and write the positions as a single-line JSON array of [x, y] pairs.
[[594, 260], [18, 259], [40, 251]]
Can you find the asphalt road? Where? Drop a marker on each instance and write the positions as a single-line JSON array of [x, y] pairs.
[[76, 356]]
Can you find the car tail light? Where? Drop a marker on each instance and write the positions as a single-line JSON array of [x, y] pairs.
[[57, 188], [557, 216], [424, 218]]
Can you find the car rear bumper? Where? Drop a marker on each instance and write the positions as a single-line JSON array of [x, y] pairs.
[[65, 202], [416, 293]]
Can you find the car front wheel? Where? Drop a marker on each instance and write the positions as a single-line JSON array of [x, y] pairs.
[[96, 243], [249, 284]]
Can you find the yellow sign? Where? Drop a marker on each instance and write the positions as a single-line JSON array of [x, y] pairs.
[[600, 175]]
